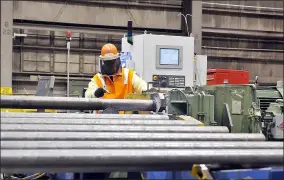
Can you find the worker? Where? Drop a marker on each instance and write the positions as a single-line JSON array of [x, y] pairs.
[[113, 82]]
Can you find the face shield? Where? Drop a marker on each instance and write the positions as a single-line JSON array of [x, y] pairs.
[[110, 67]]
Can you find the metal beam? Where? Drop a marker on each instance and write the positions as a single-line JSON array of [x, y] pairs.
[[123, 4], [6, 13], [136, 157], [126, 136], [83, 116], [139, 145], [247, 13], [33, 102], [100, 168], [196, 20], [241, 33], [58, 75], [112, 128], [96, 121], [255, 11], [109, 168], [29, 47], [43, 25]]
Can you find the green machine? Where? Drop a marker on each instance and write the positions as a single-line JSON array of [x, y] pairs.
[[269, 94], [242, 108], [191, 102], [234, 106]]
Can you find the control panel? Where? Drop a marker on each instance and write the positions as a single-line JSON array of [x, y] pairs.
[[168, 81]]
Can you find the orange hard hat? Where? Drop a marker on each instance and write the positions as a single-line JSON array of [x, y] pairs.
[[109, 52]]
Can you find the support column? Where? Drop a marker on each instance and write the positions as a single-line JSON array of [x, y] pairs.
[[6, 46], [196, 25], [194, 8]]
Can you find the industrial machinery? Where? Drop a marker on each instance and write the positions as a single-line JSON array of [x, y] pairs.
[[167, 61], [54, 142], [239, 107], [271, 104], [189, 125], [233, 106]]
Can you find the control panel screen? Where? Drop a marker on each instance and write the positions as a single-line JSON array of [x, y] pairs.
[[169, 56]]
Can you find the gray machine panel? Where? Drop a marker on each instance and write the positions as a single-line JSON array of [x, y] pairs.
[[168, 81]]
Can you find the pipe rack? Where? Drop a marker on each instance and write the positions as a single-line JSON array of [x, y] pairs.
[[111, 128], [49, 142], [140, 145]]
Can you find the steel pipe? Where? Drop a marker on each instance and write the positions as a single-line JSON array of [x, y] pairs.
[[71, 103], [96, 157], [99, 122], [139, 145], [100, 168], [84, 116], [97, 136], [112, 128], [109, 168]]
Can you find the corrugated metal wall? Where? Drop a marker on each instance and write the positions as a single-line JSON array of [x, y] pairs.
[[248, 37]]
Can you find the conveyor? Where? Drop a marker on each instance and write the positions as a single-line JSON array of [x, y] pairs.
[[112, 142], [43, 142]]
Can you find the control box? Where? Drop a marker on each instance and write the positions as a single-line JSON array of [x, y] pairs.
[[168, 81], [167, 61]]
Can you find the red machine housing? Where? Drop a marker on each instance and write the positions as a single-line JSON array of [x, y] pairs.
[[229, 76]]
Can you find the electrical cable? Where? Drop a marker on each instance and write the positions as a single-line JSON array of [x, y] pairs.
[[60, 11], [130, 14]]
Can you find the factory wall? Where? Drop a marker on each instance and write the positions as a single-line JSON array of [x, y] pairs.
[[248, 37], [254, 40]]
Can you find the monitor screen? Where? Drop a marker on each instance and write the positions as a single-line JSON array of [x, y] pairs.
[[169, 56]]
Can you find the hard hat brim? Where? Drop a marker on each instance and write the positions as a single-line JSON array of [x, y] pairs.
[[108, 57]]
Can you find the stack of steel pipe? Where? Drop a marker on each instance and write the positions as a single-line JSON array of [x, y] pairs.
[[46, 142]]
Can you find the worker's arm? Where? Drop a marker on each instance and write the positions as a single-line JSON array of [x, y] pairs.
[[138, 84], [92, 87]]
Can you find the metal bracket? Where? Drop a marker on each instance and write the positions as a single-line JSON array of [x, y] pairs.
[[226, 118], [160, 101], [110, 110], [201, 172]]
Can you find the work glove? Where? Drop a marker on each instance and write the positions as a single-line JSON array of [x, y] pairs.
[[100, 92]]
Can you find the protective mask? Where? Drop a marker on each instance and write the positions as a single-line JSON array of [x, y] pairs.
[[110, 67]]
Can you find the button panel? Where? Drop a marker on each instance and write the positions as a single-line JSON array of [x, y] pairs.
[[168, 81]]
